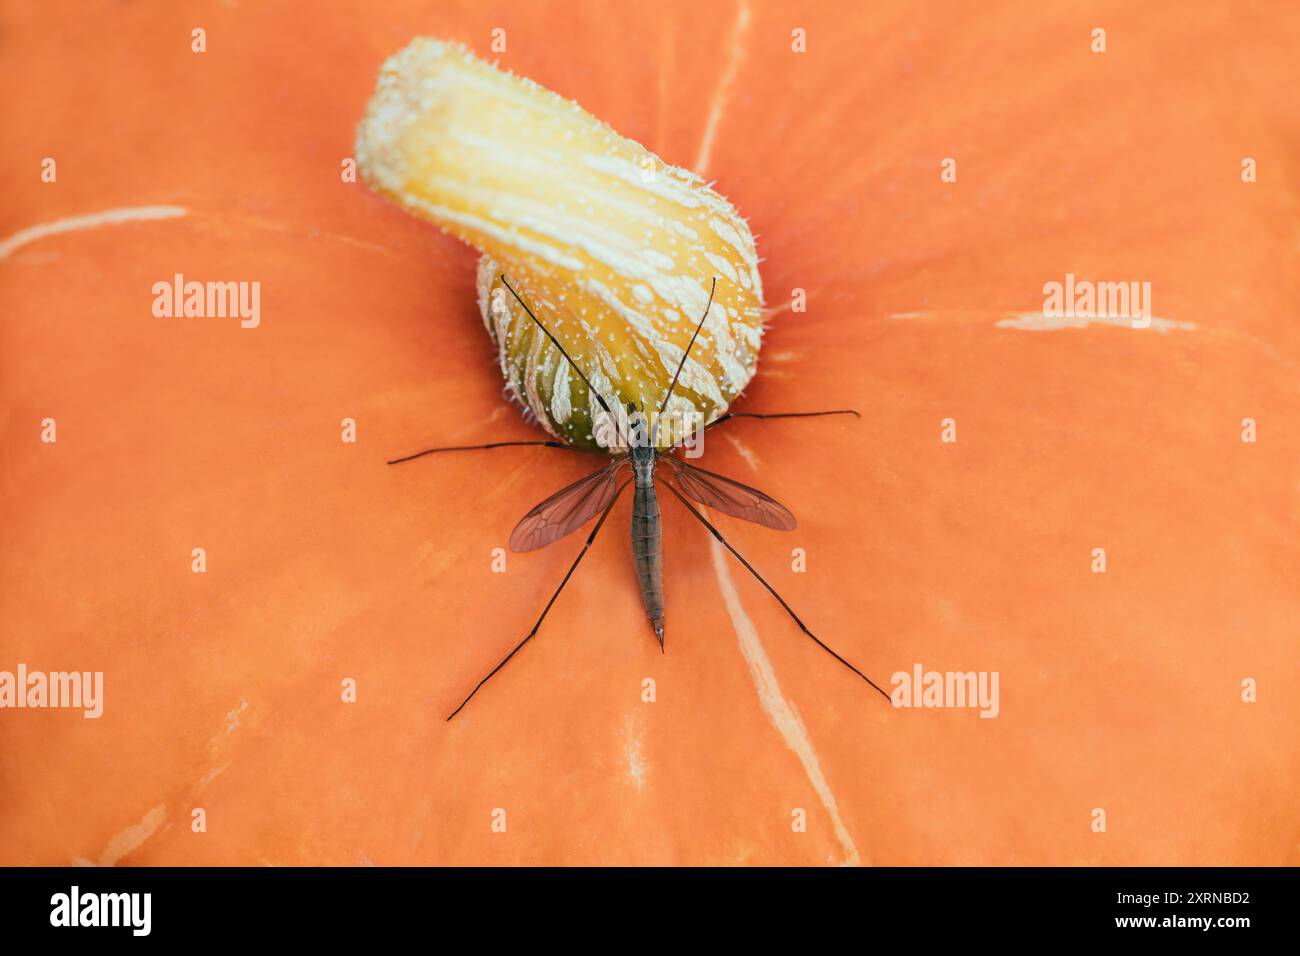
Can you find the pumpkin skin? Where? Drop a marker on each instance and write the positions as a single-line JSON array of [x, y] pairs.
[[1120, 690]]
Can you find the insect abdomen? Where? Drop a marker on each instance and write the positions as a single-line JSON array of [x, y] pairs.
[[647, 552]]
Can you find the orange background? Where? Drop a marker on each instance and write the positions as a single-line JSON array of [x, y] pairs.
[[1119, 690]]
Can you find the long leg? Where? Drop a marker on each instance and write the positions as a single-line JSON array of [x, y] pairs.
[[731, 415], [495, 444], [749, 567], [573, 567]]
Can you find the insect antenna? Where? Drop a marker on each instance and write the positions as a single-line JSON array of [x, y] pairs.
[[554, 341], [761, 580], [495, 444], [573, 567], [505, 444], [682, 364], [722, 418]]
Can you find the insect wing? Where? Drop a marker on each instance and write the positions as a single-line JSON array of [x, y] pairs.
[[567, 510], [731, 497]]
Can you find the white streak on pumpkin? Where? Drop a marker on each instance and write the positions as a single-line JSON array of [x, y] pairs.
[[109, 217], [735, 56], [1037, 322], [779, 710], [129, 839], [745, 452]]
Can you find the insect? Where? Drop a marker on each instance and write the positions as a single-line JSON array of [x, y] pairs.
[[573, 506]]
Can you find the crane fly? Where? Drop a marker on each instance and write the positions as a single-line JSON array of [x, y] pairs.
[[595, 495]]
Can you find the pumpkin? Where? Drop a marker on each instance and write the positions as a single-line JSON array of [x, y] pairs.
[[295, 690]]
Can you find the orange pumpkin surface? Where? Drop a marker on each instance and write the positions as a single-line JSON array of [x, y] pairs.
[[1120, 690]]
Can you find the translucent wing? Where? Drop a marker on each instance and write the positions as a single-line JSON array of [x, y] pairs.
[[730, 497], [567, 510]]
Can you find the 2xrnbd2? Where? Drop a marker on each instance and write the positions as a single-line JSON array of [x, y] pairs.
[[573, 506]]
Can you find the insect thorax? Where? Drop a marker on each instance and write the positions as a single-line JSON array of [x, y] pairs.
[[643, 463]]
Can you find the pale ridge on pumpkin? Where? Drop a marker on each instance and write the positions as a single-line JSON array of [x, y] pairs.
[[109, 217], [779, 710]]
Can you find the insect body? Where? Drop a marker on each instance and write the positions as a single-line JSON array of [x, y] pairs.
[[647, 538], [573, 506]]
